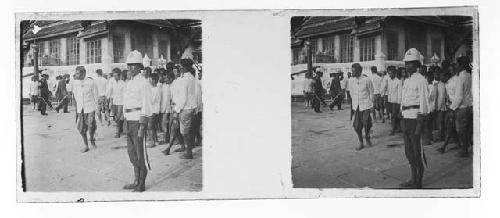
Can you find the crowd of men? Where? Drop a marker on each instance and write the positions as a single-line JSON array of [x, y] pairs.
[[142, 102], [423, 103]]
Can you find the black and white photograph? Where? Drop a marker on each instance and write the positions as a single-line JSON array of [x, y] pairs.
[[110, 105], [384, 102]]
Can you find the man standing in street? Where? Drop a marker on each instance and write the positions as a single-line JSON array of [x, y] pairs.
[[102, 104], [394, 90], [185, 104], [86, 97], [415, 106], [377, 97], [335, 90], [116, 89], [34, 91], [462, 105], [44, 95], [62, 95], [137, 110], [361, 89]]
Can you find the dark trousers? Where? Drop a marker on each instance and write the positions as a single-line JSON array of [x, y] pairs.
[[395, 117], [136, 149], [413, 150], [42, 104], [427, 128], [197, 128], [316, 103], [464, 125], [440, 124], [63, 103]]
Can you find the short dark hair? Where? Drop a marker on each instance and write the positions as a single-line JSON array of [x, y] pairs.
[[99, 72], [357, 66], [154, 76], [170, 75], [116, 70], [373, 68]]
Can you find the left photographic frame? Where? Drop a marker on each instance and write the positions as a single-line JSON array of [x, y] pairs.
[[109, 105]]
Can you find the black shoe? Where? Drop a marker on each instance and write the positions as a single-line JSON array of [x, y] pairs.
[[66, 112], [166, 151], [86, 149], [131, 186]]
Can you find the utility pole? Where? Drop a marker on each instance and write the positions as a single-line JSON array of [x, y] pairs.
[[35, 61], [309, 57]]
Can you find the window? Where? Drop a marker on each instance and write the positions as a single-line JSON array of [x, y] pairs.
[[118, 47], [73, 51], [392, 45], [94, 51], [436, 46], [54, 49], [346, 47], [367, 49], [328, 45]]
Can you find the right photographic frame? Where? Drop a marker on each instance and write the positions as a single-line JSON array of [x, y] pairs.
[[386, 99]]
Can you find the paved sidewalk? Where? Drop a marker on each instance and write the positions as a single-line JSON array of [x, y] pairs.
[[324, 156], [54, 163]]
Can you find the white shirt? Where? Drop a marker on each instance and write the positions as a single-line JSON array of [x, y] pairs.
[[166, 98], [463, 93], [377, 83], [395, 89], [451, 87], [116, 90], [101, 85], [432, 97], [69, 86], [184, 94], [361, 90], [156, 99], [440, 99], [384, 85], [343, 84], [34, 88], [86, 95], [308, 87], [415, 92], [137, 95]]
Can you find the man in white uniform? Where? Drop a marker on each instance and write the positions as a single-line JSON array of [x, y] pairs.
[[414, 105], [116, 88], [102, 104], [137, 110]]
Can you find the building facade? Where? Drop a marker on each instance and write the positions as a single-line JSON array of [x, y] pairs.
[[338, 42], [103, 44]]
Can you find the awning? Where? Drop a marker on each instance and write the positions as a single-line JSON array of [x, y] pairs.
[[52, 29]]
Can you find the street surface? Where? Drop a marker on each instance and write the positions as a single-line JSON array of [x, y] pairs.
[[54, 163], [324, 156]]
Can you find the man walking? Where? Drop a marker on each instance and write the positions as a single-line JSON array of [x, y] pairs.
[[86, 97], [335, 90], [462, 105], [377, 97], [361, 89], [395, 86], [116, 90], [62, 95], [102, 104], [415, 106], [137, 110]]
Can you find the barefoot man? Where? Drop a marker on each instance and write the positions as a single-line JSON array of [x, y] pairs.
[[361, 90]]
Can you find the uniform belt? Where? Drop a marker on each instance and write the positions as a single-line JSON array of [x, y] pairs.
[[411, 107], [132, 109]]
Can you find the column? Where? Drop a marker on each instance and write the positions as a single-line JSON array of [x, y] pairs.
[[356, 49], [62, 52], [156, 53], [127, 48], [336, 48], [107, 56], [83, 52]]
